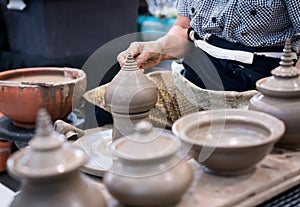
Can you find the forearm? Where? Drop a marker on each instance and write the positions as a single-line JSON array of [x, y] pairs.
[[175, 43], [298, 63]]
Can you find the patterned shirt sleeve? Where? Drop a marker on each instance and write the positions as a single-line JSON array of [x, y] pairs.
[[293, 8], [254, 23], [183, 8]]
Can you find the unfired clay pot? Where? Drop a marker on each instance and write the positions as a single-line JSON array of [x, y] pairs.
[[49, 171], [130, 96], [24, 91], [228, 141], [147, 171], [130, 91], [280, 96]]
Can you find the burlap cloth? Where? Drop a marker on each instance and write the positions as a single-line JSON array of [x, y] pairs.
[[178, 97]]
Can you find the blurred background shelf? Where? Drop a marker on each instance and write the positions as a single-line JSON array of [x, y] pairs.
[[65, 33], [61, 33]]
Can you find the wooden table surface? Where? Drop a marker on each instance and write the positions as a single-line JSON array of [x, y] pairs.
[[273, 175]]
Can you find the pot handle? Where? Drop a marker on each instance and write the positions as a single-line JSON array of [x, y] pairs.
[[16, 5], [68, 130]]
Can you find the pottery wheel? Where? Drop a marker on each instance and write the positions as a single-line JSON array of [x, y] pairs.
[[21, 135], [96, 144], [14, 133]]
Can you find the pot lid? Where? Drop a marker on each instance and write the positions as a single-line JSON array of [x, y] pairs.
[[48, 153], [285, 79], [130, 91], [144, 144]]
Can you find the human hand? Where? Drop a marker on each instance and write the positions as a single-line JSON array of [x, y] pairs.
[[298, 64], [146, 54]]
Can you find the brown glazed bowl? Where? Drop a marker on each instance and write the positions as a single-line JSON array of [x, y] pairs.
[[24, 91], [228, 141]]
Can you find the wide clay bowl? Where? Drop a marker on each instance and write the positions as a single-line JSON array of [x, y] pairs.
[[229, 141], [24, 91]]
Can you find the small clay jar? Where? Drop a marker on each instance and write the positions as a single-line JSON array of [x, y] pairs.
[[147, 171], [130, 96], [49, 170], [280, 97]]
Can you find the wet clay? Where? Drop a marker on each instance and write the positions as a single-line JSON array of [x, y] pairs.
[[147, 148], [280, 96], [225, 134], [228, 141], [41, 79]]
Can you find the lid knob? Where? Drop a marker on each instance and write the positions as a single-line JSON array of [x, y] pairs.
[[130, 63], [143, 127], [44, 133], [286, 68]]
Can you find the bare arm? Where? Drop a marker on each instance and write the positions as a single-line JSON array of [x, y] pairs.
[[298, 63], [173, 45]]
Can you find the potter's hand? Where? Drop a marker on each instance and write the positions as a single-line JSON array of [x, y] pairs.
[[298, 63], [173, 45], [147, 54]]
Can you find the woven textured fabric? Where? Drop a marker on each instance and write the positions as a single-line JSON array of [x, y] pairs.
[[205, 99], [171, 103], [178, 97], [170, 106]]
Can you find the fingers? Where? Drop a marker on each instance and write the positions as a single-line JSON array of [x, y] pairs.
[[298, 64], [144, 57], [121, 58], [149, 63], [135, 49], [147, 54]]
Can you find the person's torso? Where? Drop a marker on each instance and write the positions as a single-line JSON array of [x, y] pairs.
[[249, 22]]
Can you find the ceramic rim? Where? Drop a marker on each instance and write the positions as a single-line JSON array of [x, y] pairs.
[[258, 118], [173, 149], [275, 91], [80, 75]]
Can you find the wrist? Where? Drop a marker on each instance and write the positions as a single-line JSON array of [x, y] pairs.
[[163, 49], [173, 47]]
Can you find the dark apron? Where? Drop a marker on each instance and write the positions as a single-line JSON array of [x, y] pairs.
[[209, 72]]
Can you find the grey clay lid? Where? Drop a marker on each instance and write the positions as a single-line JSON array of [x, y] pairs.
[[48, 153], [285, 79], [145, 144]]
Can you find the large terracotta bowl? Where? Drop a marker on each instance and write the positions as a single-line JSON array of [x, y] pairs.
[[24, 91], [229, 141]]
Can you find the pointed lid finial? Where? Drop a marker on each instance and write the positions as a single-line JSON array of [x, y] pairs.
[[286, 68], [285, 81], [44, 133], [130, 63]]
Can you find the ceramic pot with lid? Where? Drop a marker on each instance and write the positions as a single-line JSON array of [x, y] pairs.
[[49, 172], [147, 170], [130, 96], [280, 97]]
